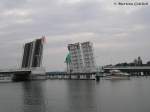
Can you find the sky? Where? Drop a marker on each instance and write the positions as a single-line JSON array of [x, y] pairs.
[[118, 33]]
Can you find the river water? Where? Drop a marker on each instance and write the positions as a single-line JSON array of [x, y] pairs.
[[76, 96]]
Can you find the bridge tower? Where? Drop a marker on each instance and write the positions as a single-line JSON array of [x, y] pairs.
[[33, 53], [32, 60]]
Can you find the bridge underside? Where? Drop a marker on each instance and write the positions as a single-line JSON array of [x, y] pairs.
[[21, 75], [24, 76]]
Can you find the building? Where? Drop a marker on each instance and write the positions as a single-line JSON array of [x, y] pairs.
[[81, 58], [138, 61], [33, 51]]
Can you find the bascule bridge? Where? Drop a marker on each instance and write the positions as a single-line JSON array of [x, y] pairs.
[[31, 67]]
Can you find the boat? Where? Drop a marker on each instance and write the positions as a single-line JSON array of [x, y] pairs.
[[117, 75]]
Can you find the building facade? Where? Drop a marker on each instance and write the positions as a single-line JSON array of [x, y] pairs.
[[82, 58]]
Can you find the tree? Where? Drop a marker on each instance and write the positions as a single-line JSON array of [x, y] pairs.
[[148, 63]]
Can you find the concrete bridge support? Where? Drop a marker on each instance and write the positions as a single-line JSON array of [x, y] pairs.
[[21, 76]]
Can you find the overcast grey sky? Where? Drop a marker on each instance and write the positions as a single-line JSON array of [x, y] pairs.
[[119, 33]]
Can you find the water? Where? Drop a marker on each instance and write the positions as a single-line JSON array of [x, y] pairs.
[[76, 96]]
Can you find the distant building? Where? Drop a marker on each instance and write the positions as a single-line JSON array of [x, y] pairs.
[[81, 58], [32, 56], [135, 62], [138, 61]]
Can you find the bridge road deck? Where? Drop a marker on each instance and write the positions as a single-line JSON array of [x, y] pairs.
[[15, 71], [15, 74]]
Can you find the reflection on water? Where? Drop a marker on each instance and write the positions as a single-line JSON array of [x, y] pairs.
[[82, 96], [124, 95], [33, 97], [76, 96]]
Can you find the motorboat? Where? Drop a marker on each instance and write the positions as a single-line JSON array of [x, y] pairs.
[[117, 75]]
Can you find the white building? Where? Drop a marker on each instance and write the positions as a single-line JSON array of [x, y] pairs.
[[82, 57]]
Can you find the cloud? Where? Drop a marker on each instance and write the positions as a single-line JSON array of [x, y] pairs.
[[7, 4], [119, 33]]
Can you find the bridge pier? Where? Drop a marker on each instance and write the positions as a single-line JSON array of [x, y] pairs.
[[21, 77]]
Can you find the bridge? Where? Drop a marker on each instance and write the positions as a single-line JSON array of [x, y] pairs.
[[133, 70], [70, 76], [31, 67], [15, 74]]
